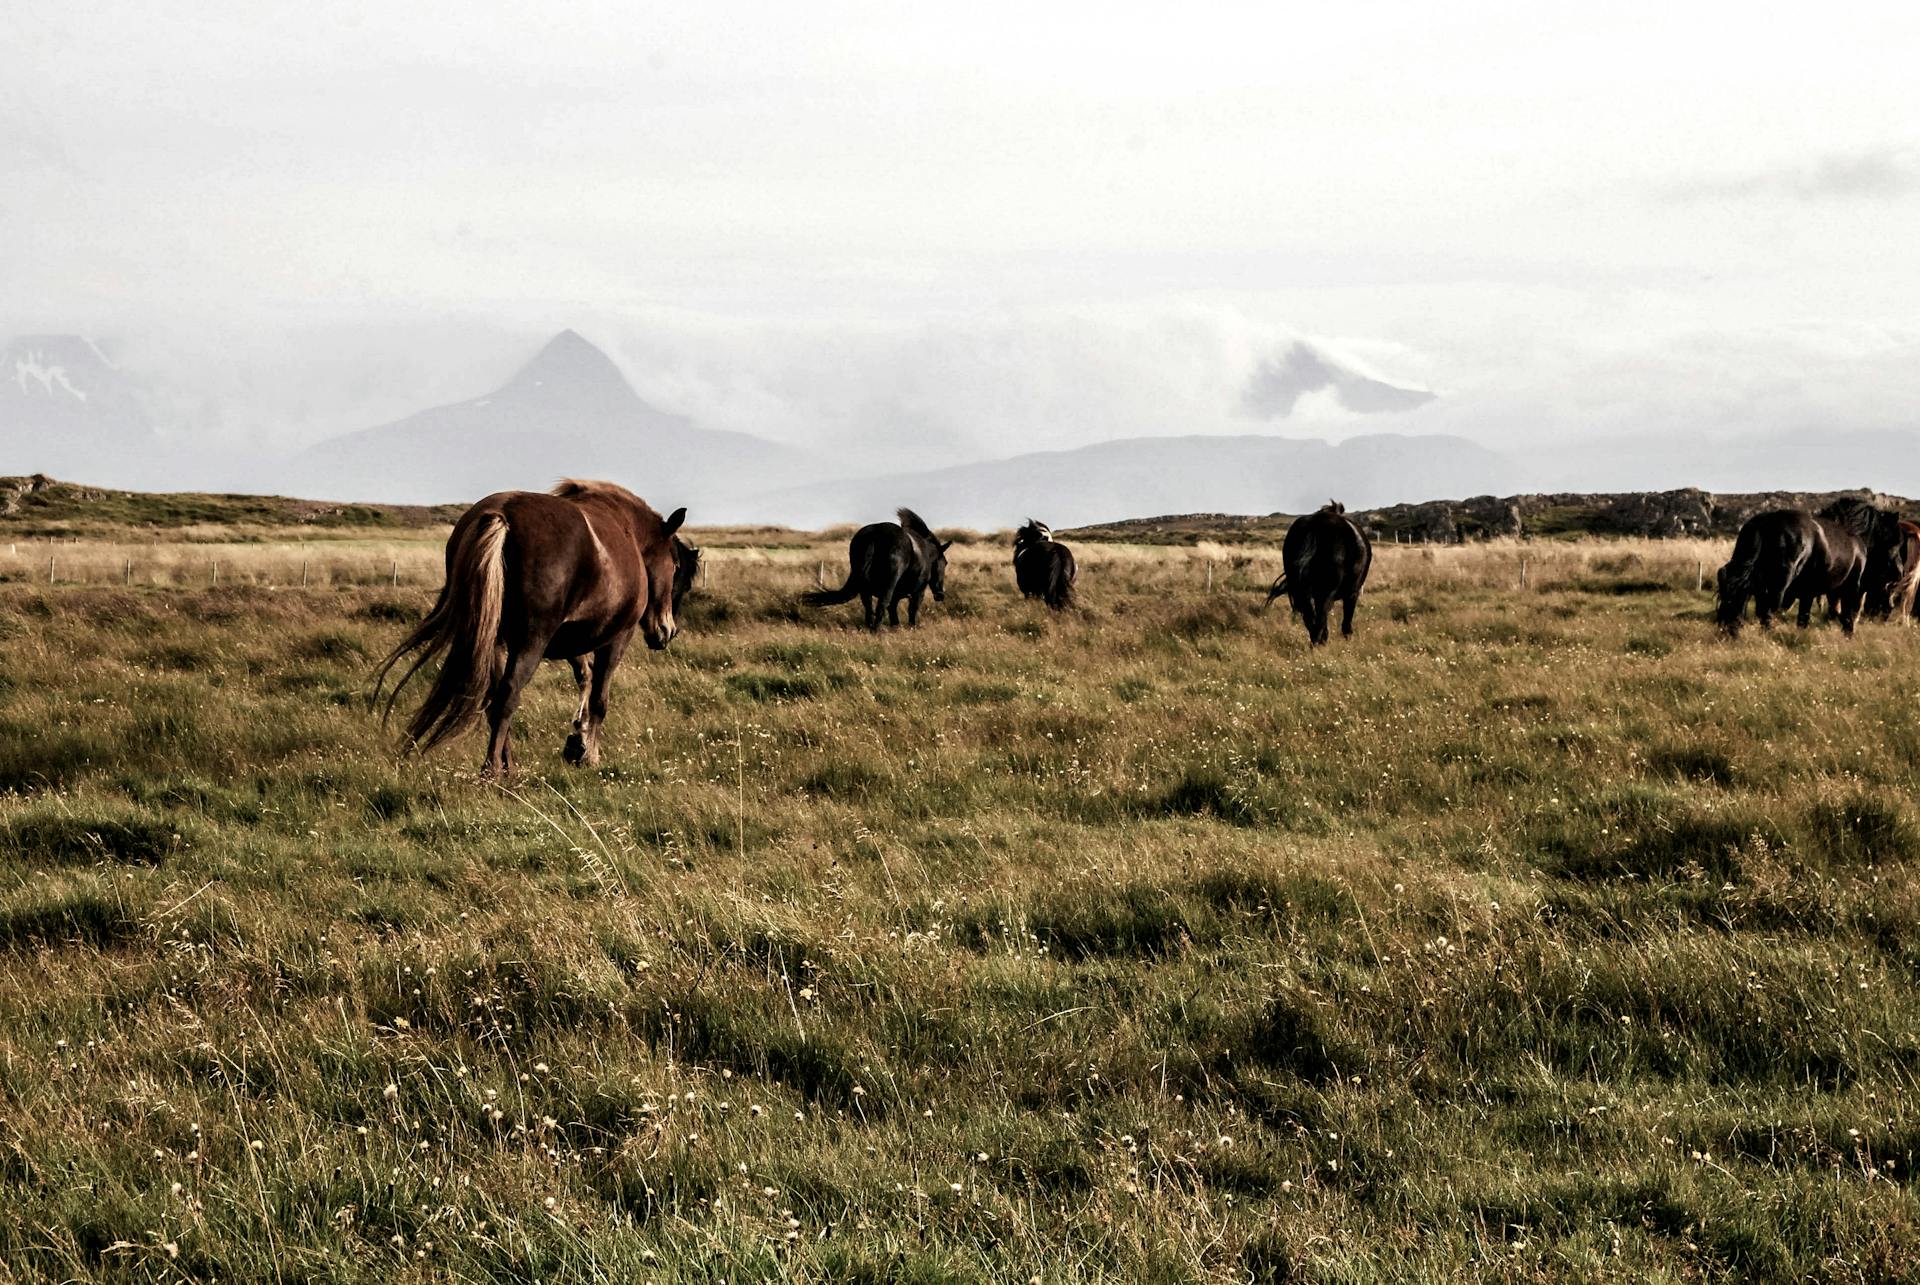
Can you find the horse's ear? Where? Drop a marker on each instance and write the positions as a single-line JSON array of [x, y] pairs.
[[946, 546], [672, 523]]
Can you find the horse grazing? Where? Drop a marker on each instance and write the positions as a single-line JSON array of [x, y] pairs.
[[1042, 566], [1785, 556], [562, 575], [888, 562], [1890, 564], [1325, 558]]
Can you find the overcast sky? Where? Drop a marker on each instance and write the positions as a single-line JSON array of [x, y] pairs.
[[785, 216]]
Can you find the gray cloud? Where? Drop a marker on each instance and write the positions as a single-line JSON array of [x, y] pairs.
[[1282, 380], [1869, 174]]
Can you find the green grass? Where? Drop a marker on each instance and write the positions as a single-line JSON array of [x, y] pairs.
[[1528, 936]]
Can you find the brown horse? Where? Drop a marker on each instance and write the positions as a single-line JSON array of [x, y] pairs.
[[1903, 595], [565, 575]]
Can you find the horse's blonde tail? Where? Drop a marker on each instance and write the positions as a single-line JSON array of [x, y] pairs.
[[464, 625], [1904, 589]]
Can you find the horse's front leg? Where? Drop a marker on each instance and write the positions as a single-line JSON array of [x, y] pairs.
[[594, 701], [913, 607], [576, 748]]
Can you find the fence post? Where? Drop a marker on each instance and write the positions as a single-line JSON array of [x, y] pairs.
[[1523, 573], [1209, 575], [215, 582], [1699, 575], [50, 567], [303, 573], [819, 575], [396, 573], [128, 577]]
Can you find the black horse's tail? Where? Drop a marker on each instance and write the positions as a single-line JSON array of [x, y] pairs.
[[1060, 597], [1735, 581], [856, 574], [1303, 557], [465, 625], [832, 597]]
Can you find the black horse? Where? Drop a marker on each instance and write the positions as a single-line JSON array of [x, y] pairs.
[[887, 562], [1042, 566], [1325, 558], [1786, 556], [1889, 563]]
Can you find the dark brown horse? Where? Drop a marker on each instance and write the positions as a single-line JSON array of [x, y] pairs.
[[1787, 556], [886, 563], [1042, 566], [564, 575], [1889, 561], [1324, 559]]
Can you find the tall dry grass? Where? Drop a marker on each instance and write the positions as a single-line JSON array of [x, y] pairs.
[[1534, 934]]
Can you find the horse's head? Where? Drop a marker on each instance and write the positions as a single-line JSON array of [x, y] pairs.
[[937, 572], [686, 568], [664, 589]]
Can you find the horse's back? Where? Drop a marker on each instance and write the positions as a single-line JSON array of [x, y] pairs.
[[1326, 551]]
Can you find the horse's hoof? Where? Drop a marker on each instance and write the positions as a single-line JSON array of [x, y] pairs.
[[576, 752]]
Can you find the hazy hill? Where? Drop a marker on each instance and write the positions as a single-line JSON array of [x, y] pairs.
[[1250, 474], [568, 413]]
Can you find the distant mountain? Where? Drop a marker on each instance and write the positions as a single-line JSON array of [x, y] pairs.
[[66, 409], [568, 413], [1130, 477]]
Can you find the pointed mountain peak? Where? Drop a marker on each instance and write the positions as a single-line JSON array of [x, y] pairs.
[[569, 366]]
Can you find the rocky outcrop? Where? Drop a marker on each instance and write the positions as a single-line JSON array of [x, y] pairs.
[[15, 489]]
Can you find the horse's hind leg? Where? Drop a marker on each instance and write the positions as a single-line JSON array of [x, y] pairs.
[[1314, 615], [1849, 610], [1805, 616], [576, 751], [913, 607], [1347, 604], [869, 612], [502, 702]]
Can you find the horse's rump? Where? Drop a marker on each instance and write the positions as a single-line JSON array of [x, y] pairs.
[[464, 625]]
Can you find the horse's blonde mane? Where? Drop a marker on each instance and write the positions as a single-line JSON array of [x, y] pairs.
[[571, 488]]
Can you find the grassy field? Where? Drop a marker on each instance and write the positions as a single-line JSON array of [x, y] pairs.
[[1535, 934]]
